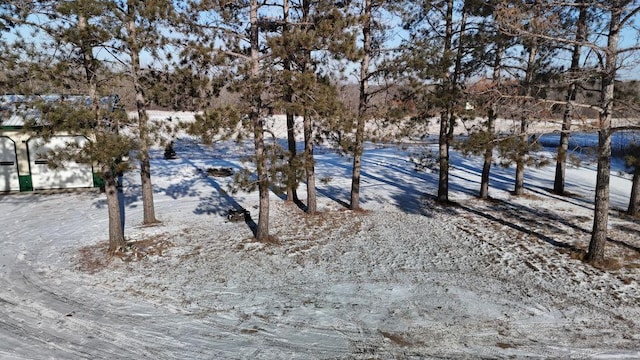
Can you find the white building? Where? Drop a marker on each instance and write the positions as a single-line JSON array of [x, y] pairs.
[[23, 164]]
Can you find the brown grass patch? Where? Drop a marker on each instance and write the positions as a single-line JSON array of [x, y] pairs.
[[395, 338], [632, 266], [220, 172], [94, 258], [609, 264], [272, 240], [331, 219], [626, 280], [250, 331], [527, 195], [152, 224], [578, 254], [195, 252], [138, 250]]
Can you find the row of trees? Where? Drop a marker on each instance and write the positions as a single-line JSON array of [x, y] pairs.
[[415, 60]]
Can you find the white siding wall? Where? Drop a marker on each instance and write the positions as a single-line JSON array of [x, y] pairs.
[[8, 165], [73, 175]]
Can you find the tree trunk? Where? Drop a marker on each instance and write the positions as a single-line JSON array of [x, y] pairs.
[[523, 149], [522, 153], [357, 165], [601, 212], [362, 105], [309, 160], [149, 216], [292, 168], [634, 199], [488, 154], [309, 164], [116, 229], [492, 116], [563, 147], [443, 152], [262, 230], [454, 81], [292, 180], [445, 115], [116, 235]]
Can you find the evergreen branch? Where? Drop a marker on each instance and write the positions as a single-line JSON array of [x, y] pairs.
[[227, 32], [555, 102], [233, 54]]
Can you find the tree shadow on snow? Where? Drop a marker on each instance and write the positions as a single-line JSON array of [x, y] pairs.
[[404, 185], [216, 202], [527, 221], [503, 179], [335, 194], [632, 227]]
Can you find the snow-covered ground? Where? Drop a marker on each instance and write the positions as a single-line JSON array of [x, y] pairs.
[[405, 279]]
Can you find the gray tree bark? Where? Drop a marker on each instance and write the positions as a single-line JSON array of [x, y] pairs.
[[524, 122], [149, 215], [601, 211], [522, 153], [292, 181], [309, 159], [492, 116], [116, 234], [445, 115], [116, 230], [262, 230], [563, 146], [634, 198], [309, 165], [363, 103]]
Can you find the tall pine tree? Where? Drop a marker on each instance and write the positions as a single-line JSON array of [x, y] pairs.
[[73, 68]]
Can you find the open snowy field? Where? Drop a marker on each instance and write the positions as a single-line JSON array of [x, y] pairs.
[[405, 279]]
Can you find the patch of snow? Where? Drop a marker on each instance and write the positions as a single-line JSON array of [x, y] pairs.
[[407, 278]]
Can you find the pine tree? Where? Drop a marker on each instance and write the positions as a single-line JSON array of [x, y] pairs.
[[77, 38], [523, 139], [492, 116], [222, 45], [307, 36], [306, 79], [574, 73], [533, 18], [486, 94], [436, 56], [367, 26], [142, 25], [619, 14], [292, 170], [532, 25]]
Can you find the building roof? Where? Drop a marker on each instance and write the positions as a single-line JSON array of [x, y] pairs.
[[15, 110]]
